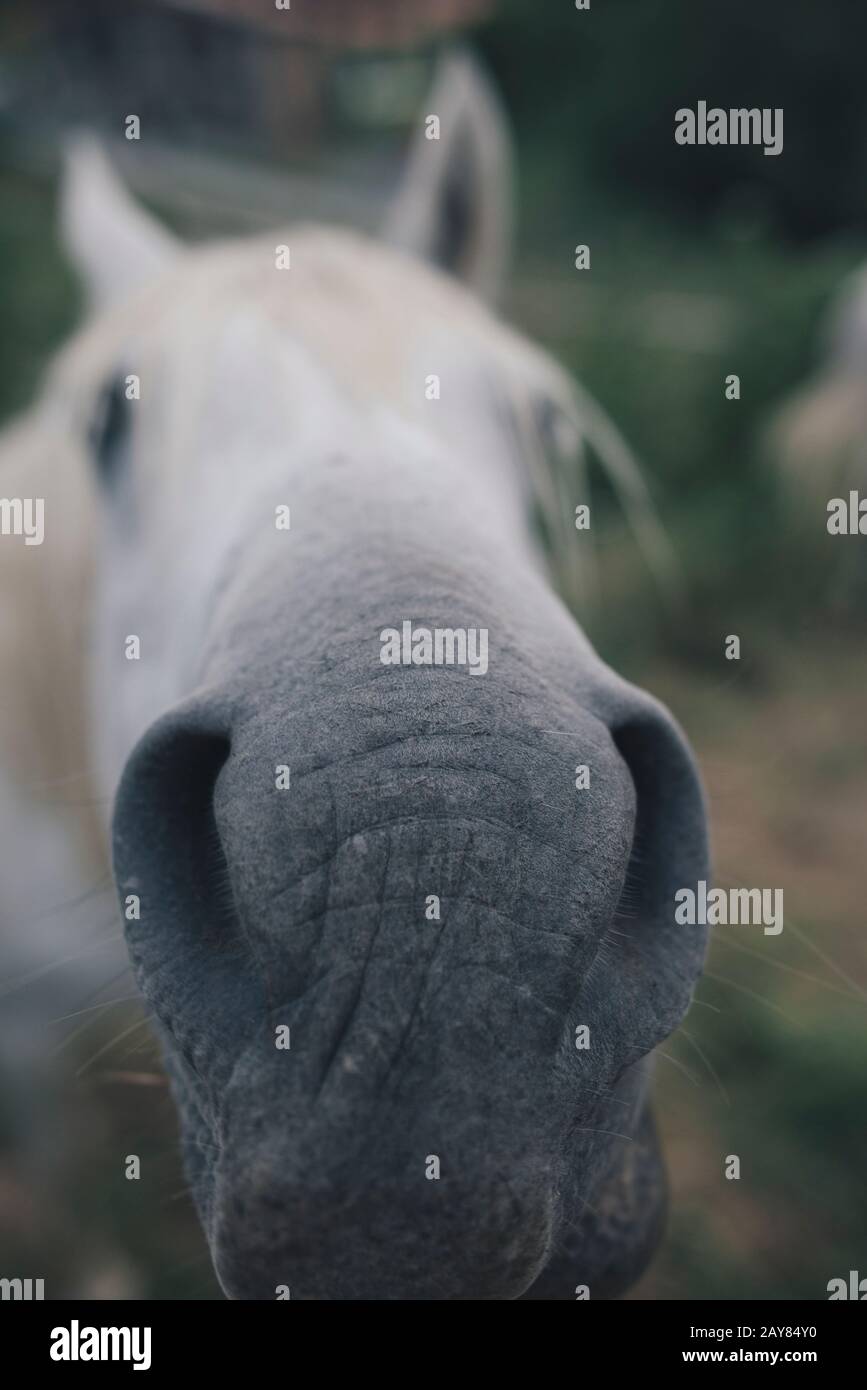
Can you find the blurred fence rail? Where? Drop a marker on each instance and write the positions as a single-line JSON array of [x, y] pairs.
[[250, 116]]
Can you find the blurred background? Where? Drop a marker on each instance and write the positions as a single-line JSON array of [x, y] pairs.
[[704, 262]]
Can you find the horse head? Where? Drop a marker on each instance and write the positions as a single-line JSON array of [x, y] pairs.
[[405, 919]]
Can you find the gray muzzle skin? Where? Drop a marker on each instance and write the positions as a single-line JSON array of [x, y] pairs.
[[431, 908]]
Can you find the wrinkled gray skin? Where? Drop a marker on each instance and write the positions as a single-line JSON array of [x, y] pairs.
[[409, 1037]]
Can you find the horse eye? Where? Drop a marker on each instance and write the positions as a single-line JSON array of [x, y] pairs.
[[557, 431], [110, 430]]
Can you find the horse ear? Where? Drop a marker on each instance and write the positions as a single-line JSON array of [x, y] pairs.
[[113, 243], [454, 207]]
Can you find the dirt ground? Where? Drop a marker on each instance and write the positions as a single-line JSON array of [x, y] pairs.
[[767, 1065]]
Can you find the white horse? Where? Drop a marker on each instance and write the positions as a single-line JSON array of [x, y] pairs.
[[255, 459], [819, 436]]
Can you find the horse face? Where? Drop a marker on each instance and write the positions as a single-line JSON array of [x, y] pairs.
[[407, 930]]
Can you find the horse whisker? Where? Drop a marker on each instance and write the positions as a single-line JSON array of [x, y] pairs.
[[789, 969], [675, 1063], [34, 975], [133, 1078], [109, 1045], [826, 960], [692, 1042], [108, 1004], [742, 989]]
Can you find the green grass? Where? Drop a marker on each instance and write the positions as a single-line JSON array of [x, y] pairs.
[[38, 292]]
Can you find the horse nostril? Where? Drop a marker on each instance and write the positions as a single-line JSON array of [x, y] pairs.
[[170, 867], [668, 837], [669, 850]]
